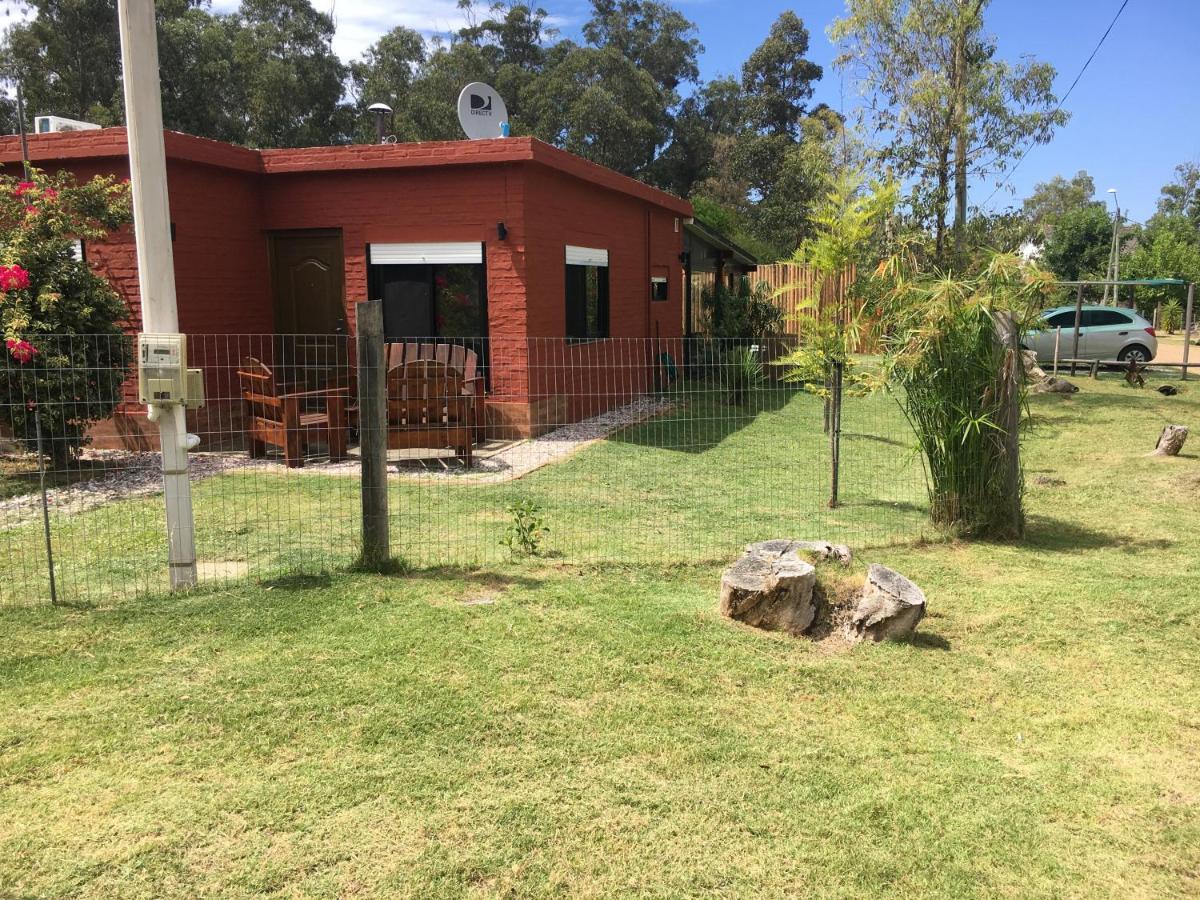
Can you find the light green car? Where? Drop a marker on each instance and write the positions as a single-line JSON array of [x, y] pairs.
[[1106, 333]]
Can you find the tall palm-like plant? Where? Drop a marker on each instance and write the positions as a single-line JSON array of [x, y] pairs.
[[952, 356]]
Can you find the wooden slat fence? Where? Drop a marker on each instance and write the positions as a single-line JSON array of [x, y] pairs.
[[798, 283], [794, 284]]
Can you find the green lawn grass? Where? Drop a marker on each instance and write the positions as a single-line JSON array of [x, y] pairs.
[[597, 729], [692, 485]]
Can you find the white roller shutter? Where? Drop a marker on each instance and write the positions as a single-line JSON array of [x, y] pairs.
[[586, 256], [424, 254]]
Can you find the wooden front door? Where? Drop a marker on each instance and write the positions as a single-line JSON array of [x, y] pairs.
[[307, 278]]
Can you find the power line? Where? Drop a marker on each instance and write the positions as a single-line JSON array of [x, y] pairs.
[[1058, 108]]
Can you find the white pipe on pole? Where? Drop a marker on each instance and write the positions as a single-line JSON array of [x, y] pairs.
[[156, 266]]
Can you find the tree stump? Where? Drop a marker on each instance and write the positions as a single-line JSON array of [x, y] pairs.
[[890, 607], [770, 587], [1170, 442]]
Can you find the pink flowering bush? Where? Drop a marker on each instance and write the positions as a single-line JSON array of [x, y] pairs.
[[66, 351], [13, 278], [21, 351]]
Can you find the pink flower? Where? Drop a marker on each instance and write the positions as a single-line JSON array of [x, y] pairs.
[[50, 194], [30, 210], [13, 278], [22, 351], [440, 281], [24, 187]]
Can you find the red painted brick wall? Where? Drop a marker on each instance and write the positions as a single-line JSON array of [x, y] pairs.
[[641, 240], [226, 200], [417, 205]]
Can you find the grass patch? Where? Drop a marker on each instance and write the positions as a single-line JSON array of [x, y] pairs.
[[596, 729]]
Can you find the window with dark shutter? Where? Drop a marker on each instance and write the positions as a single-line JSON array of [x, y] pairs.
[[586, 293]]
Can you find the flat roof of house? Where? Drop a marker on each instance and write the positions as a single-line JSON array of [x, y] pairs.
[[107, 143]]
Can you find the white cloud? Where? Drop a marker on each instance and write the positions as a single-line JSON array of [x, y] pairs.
[[360, 23]]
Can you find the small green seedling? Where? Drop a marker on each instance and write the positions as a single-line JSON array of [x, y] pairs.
[[525, 532]]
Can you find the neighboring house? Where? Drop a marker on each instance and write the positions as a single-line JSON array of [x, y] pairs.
[[510, 245], [709, 258]]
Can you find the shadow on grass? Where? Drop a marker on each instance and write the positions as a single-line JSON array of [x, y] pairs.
[[299, 582], [1043, 533], [705, 417], [878, 438], [482, 577], [924, 640]]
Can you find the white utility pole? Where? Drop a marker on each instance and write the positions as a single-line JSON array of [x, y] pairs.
[[156, 265]]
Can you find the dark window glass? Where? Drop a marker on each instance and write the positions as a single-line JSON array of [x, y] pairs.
[[406, 292], [1062, 320], [587, 302], [658, 290], [445, 300], [1108, 317]]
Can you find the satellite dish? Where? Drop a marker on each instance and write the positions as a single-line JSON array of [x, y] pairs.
[[481, 112]]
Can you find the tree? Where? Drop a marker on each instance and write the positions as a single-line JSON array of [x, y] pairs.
[[62, 323], [1182, 196], [656, 38], [1168, 249], [1080, 244], [786, 179], [704, 125], [778, 80], [946, 107], [512, 42], [197, 74], [291, 82], [386, 73], [598, 104], [961, 384], [68, 60], [1053, 199]]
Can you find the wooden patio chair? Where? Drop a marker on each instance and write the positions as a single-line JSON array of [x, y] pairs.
[[290, 420], [461, 359], [429, 408]]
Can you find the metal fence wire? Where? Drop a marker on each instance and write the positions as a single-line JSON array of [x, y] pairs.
[[639, 451]]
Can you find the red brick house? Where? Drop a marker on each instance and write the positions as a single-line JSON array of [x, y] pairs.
[[540, 243]]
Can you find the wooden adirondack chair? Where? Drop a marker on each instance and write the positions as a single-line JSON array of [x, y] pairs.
[[461, 359], [290, 420], [429, 408]]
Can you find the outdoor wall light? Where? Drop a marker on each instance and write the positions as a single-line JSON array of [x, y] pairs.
[[501, 231]]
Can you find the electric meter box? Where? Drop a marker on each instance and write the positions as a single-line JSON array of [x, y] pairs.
[[162, 368]]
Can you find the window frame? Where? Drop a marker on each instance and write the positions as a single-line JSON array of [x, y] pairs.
[[575, 278], [376, 272]]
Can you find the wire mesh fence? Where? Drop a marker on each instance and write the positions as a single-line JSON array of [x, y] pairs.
[[625, 450]]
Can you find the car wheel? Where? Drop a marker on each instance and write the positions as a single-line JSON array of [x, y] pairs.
[[1135, 353]]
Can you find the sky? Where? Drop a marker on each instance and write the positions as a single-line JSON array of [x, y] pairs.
[[1135, 115]]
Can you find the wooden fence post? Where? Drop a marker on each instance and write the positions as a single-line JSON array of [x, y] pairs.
[[1014, 377], [1078, 316], [1187, 328], [835, 437], [372, 435]]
